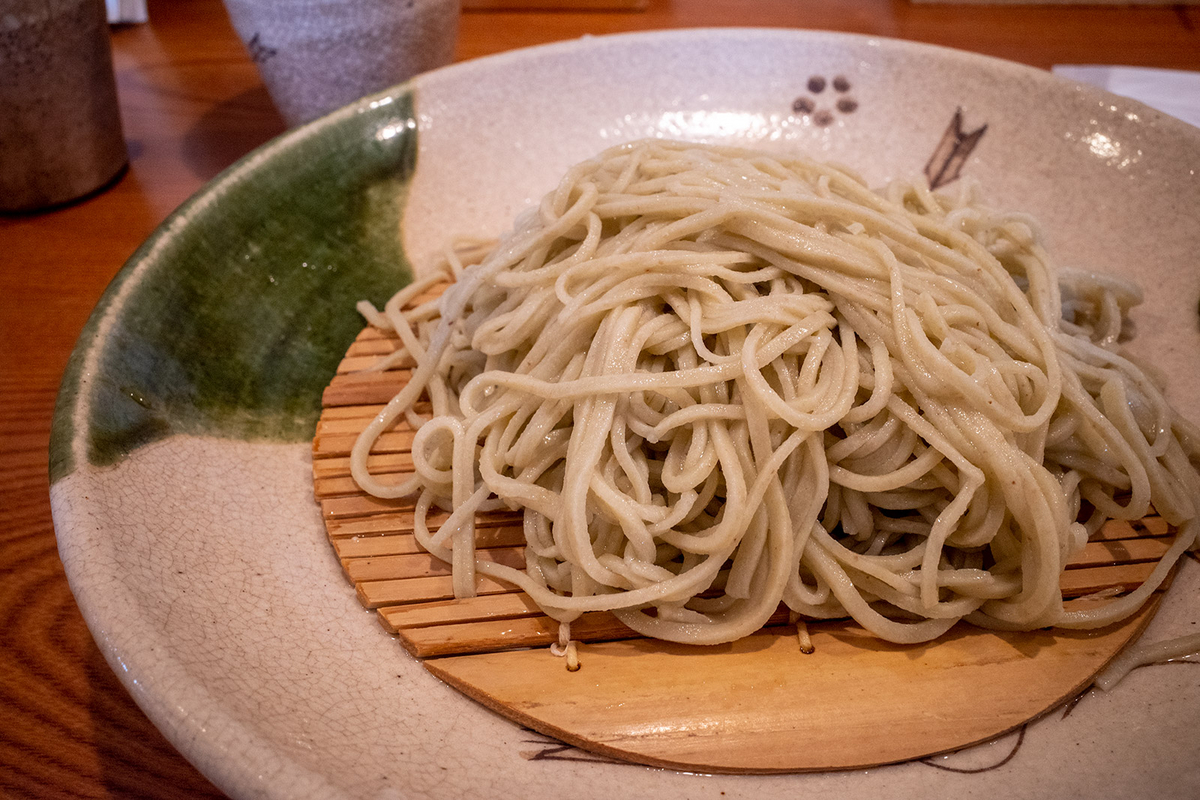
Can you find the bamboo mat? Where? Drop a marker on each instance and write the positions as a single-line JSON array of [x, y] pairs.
[[411, 591]]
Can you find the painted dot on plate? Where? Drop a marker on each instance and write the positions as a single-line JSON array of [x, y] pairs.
[[841, 83], [847, 105], [804, 105], [816, 84]]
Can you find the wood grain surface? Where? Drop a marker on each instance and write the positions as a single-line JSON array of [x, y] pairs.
[[192, 104], [742, 707]]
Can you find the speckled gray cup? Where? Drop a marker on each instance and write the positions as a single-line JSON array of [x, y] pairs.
[[60, 127], [318, 55]]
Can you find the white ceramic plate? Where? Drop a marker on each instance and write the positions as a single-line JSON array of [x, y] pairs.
[[181, 485]]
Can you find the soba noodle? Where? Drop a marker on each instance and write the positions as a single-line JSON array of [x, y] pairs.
[[714, 380]]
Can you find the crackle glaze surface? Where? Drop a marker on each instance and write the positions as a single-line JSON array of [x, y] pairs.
[[182, 493]]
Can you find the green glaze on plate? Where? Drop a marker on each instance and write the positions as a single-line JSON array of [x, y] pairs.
[[231, 319]]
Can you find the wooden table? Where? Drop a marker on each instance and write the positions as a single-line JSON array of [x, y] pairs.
[[192, 104]]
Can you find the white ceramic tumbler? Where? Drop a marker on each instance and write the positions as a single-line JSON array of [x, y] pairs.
[[318, 55]]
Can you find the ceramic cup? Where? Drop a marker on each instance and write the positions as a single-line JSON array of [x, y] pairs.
[[60, 127], [318, 55]]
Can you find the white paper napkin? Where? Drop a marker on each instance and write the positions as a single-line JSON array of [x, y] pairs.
[[1172, 91]]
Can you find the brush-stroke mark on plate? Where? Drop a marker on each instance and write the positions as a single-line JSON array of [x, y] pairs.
[[551, 749], [951, 153], [1020, 739]]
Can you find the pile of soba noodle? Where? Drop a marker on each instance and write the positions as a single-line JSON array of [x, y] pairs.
[[714, 380]]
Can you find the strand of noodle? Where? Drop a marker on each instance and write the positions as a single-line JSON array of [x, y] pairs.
[[1140, 655]]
